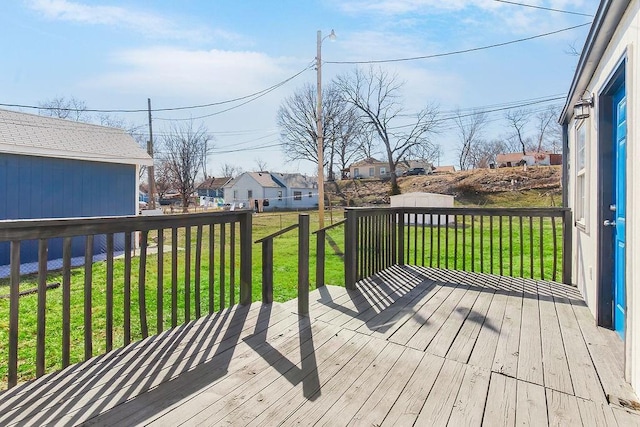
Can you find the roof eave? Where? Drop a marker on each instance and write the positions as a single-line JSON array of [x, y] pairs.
[[604, 25]]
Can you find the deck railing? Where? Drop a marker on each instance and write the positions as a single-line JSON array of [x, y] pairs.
[[523, 242], [303, 263], [65, 324]]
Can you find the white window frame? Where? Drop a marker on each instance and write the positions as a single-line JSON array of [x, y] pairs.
[[383, 171], [372, 172], [582, 174], [280, 195], [297, 195]]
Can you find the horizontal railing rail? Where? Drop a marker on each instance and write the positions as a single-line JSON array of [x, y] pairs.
[[525, 242], [303, 263], [96, 259]]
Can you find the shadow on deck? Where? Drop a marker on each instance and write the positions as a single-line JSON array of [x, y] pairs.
[[411, 345]]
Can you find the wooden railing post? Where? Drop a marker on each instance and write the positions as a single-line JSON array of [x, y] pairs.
[[267, 271], [246, 290], [320, 257], [351, 249], [303, 265], [567, 237], [400, 248]]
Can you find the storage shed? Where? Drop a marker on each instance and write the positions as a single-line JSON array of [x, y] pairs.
[[424, 200], [55, 168]]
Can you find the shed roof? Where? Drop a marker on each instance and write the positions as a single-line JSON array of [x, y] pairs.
[[33, 135], [214, 183], [296, 180], [368, 161]]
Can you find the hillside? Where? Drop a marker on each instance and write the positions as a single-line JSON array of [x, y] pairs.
[[537, 186]]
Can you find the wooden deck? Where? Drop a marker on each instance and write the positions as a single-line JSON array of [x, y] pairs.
[[412, 346]]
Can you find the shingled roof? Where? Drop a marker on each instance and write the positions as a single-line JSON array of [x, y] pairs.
[[32, 135]]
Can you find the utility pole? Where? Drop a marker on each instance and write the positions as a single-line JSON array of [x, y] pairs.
[[320, 133], [150, 170]]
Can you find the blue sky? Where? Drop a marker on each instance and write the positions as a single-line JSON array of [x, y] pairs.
[[115, 54]]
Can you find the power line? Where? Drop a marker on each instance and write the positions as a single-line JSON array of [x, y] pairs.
[[458, 52], [544, 8], [190, 107], [260, 95]]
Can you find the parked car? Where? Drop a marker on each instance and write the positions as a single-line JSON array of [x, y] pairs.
[[414, 171]]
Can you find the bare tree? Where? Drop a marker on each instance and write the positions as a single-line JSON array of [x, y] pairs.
[[483, 153], [470, 127], [297, 123], [229, 170], [548, 130], [185, 149], [65, 108], [163, 178], [517, 120], [346, 131], [261, 164], [376, 95]]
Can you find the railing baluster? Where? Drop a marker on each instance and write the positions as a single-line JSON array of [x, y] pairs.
[[531, 251], [109, 296], [211, 268], [174, 277], [14, 310], [446, 241], [455, 242], [521, 249], [510, 245], [66, 301], [500, 251], [424, 231], [431, 240], [42, 305], [491, 244], [232, 265], [555, 249], [267, 271], [198, 268], [160, 283], [303, 264], [127, 288], [222, 281], [142, 270], [88, 268], [246, 262], [464, 242], [320, 256], [187, 274], [481, 244], [541, 221], [473, 244], [415, 238]]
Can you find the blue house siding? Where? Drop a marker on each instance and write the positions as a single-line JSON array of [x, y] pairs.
[[41, 187]]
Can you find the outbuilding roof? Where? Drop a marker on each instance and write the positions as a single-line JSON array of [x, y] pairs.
[[33, 135]]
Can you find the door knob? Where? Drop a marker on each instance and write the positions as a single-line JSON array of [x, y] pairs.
[[608, 223]]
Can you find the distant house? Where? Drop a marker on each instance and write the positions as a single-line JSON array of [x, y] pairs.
[[54, 168], [213, 187], [271, 190], [532, 158], [369, 168]]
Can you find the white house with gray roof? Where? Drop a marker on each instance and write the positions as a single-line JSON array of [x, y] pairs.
[[272, 191]]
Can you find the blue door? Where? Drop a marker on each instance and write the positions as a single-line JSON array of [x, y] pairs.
[[620, 208]]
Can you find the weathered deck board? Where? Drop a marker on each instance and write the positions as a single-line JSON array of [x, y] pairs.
[[481, 359]]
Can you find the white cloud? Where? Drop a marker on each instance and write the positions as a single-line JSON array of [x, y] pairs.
[[149, 24], [197, 73]]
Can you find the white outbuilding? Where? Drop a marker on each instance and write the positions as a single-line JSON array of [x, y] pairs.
[[424, 200]]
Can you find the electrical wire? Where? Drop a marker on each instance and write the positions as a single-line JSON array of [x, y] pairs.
[[190, 107], [458, 52], [544, 8]]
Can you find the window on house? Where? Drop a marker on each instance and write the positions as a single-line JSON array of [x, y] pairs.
[[250, 194], [235, 194], [310, 194], [581, 174], [356, 172], [383, 171], [280, 195], [297, 195], [372, 171]]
